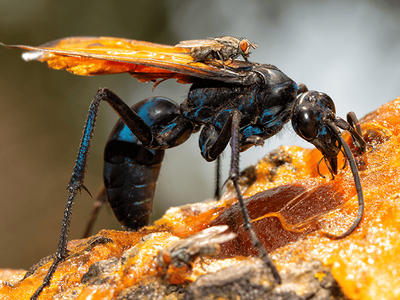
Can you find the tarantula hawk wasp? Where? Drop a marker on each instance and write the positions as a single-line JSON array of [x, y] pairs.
[[243, 103]]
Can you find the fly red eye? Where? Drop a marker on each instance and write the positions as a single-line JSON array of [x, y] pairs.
[[244, 46], [166, 256]]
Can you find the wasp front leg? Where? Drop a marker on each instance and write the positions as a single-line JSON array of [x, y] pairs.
[[212, 143], [356, 134]]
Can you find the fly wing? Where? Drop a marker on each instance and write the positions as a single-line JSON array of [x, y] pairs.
[[193, 240], [201, 43], [210, 232], [209, 236], [222, 238], [146, 61]]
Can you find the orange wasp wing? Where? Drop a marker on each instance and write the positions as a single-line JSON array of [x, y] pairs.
[[146, 61]]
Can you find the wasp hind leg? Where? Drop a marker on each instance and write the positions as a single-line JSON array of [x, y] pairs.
[[172, 130], [75, 185]]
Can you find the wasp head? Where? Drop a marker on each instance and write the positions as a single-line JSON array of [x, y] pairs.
[[313, 116]]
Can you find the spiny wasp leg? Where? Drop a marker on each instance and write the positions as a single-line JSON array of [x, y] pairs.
[[234, 176], [77, 178]]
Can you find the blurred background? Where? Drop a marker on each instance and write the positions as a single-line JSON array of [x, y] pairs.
[[348, 49]]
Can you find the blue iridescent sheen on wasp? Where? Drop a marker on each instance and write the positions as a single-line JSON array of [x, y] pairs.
[[242, 104]]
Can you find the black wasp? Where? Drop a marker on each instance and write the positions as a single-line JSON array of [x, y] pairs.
[[242, 104]]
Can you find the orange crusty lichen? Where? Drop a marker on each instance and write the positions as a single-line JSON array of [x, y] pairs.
[[366, 264], [289, 203]]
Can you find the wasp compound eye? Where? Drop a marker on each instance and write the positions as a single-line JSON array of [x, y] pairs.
[[305, 123], [304, 120], [325, 102]]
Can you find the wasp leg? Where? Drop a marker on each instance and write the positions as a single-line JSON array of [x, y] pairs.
[[217, 194], [234, 176], [75, 185], [212, 143], [101, 199], [354, 128], [357, 134], [138, 127]]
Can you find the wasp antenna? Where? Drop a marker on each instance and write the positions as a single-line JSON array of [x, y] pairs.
[[353, 121], [357, 182]]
